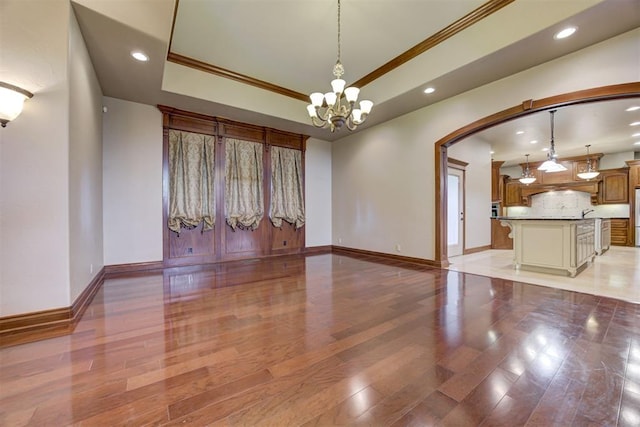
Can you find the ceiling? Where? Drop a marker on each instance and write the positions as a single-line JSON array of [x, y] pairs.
[[277, 51]]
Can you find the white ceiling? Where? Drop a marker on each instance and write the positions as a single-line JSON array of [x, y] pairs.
[[292, 44]]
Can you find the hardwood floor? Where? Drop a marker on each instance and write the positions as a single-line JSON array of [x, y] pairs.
[[331, 340]]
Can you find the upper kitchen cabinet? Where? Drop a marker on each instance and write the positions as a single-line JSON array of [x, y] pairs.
[[513, 193], [614, 187], [634, 174], [497, 182]]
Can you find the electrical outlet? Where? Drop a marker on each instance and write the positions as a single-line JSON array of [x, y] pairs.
[[284, 243], [398, 247], [91, 269], [189, 250], [339, 239]]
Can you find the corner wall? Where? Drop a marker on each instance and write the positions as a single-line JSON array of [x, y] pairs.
[[34, 159], [85, 165]]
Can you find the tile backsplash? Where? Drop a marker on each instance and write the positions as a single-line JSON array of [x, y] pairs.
[[567, 204]]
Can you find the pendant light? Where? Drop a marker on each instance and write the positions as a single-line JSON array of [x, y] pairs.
[[551, 165], [591, 172], [527, 176]]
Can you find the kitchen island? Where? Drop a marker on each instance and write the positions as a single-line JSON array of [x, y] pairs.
[[552, 245]]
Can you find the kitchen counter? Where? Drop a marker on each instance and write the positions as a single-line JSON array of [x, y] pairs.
[[552, 245]]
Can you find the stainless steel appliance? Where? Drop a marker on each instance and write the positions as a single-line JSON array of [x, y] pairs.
[[637, 217], [495, 210]]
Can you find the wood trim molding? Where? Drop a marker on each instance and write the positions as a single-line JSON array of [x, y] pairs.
[[316, 250], [476, 249], [117, 270], [34, 326], [242, 78], [449, 31], [342, 250], [456, 164], [602, 93]]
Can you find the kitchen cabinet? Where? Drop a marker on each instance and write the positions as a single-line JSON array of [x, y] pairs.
[[512, 193], [500, 235], [558, 246], [620, 231], [614, 187], [634, 174], [603, 235], [497, 180]]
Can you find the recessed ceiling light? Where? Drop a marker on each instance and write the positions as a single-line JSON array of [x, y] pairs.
[[636, 143], [533, 141], [545, 149], [634, 124], [492, 152], [429, 90], [635, 134], [140, 56], [634, 108], [565, 33], [520, 132]]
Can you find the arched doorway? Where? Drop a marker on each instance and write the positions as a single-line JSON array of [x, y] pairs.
[[603, 93]]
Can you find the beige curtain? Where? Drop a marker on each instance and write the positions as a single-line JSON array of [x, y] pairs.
[[191, 175], [244, 199], [287, 198]]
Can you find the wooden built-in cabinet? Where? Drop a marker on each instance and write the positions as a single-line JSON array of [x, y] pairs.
[[497, 182], [614, 186], [500, 235], [620, 232], [194, 246], [634, 174], [512, 193]]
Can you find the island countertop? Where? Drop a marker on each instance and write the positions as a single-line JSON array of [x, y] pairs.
[[528, 218]]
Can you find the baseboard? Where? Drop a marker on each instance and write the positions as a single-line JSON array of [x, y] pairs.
[[116, 270], [476, 249], [382, 256], [34, 326], [316, 250]]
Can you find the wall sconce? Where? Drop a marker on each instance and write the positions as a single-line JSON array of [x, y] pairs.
[[11, 100]]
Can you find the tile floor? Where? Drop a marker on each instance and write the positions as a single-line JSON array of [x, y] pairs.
[[614, 274]]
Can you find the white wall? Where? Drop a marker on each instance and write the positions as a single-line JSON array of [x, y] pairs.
[[615, 160], [477, 153], [34, 159], [132, 177], [383, 177], [318, 193], [85, 165]]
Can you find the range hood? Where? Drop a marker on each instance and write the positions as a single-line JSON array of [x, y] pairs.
[[590, 187]]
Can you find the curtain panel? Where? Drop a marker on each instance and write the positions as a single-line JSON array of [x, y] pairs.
[[244, 198], [191, 180], [287, 197]]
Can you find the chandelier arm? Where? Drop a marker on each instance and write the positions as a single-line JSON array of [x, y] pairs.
[[323, 116], [350, 125], [318, 122]]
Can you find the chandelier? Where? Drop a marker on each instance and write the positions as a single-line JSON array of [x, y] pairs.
[[550, 165], [591, 172], [527, 176], [336, 108]]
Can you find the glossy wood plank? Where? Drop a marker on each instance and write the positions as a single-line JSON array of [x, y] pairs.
[[330, 340]]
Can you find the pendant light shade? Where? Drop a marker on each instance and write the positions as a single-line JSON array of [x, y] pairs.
[[551, 165], [527, 176], [591, 172]]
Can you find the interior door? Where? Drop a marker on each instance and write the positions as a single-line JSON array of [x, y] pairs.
[[455, 212]]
